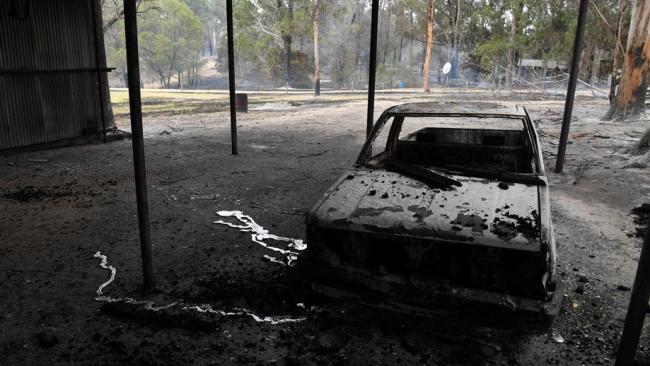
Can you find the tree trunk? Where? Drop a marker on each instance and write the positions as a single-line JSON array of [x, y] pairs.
[[630, 98], [387, 43], [617, 47], [455, 43], [511, 51], [409, 60], [286, 40], [595, 66], [427, 55], [401, 46], [586, 60], [315, 15]]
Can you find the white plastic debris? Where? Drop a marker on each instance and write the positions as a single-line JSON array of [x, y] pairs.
[[205, 308], [104, 264], [557, 338], [260, 235]]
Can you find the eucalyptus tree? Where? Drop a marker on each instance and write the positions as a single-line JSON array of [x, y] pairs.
[[281, 20], [170, 39], [633, 86]]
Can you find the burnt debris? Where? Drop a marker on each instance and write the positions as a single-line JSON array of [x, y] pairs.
[[641, 219]]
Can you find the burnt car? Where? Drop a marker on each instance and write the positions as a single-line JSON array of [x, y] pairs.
[[444, 205]]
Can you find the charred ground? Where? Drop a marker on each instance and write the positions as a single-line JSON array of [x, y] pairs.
[[61, 206]]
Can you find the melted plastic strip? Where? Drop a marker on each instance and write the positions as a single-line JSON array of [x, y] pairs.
[[149, 305], [244, 312], [104, 264], [259, 235], [273, 259]]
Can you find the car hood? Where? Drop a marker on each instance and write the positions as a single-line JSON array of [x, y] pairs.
[[480, 212]]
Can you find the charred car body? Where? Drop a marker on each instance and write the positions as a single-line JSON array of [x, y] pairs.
[[440, 207]]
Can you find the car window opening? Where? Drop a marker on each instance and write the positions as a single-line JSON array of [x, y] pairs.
[[490, 148]]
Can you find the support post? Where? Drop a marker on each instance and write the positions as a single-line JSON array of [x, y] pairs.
[[638, 308], [135, 104], [231, 77], [571, 89], [372, 66]]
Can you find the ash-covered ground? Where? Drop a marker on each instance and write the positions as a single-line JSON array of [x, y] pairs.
[[59, 207]]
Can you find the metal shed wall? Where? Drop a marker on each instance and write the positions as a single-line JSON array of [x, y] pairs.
[[49, 78]]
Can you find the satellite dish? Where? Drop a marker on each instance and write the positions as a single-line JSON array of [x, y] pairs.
[[446, 68]]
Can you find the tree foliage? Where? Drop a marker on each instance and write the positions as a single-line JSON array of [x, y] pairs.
[[483, 40], [170, 38]]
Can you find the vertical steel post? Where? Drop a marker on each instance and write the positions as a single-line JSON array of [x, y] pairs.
[[636, 311], [372, 66], [571, 89], [135, 103], [231, 77]]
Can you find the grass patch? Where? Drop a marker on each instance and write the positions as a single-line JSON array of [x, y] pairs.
[[175, 102]]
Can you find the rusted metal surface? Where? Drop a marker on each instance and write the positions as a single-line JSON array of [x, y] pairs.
[[477, 212], [50, 91], [419, 239], [458, 109]]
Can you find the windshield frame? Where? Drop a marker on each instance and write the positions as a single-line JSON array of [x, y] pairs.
[[398, 119]]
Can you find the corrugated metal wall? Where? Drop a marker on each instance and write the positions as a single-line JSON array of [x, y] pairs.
[[48, 91]]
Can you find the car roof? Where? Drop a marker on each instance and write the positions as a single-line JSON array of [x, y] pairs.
[[458, 109]]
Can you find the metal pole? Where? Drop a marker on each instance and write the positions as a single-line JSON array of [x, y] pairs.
[[636, 311], [133, 70], [573, 79], [231, 77], [372, 66]]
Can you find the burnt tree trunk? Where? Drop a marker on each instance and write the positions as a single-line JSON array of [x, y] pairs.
[[314, 18], [427, 53], [630, 97], [595, 66], [286, 40]]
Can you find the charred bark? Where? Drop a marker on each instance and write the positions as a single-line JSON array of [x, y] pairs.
[[631, 94], [595, 66], [286, 41]]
